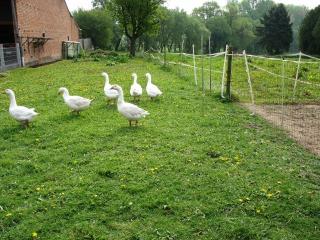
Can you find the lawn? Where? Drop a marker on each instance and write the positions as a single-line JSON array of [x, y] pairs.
[[197, 168]]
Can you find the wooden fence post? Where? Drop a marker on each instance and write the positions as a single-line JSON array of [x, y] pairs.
[[229, 73]]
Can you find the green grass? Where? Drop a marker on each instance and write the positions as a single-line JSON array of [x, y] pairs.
[[196, 169]]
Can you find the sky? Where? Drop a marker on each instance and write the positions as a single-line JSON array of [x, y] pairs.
[[188, 5]]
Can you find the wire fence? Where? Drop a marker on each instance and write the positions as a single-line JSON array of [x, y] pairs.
[[285, 90]]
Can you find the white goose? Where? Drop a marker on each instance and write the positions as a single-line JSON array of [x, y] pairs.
[[152, 90], [136, 89], [130, 111], [21, 114], [110, 93], [75, 103]]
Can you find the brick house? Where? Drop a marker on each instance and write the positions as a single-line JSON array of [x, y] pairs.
[[38, 27]]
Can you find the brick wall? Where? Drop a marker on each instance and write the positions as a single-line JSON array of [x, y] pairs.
[[49, 17]]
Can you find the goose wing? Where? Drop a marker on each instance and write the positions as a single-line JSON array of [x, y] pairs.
[[23, 113], [111, 93], [78, 101], [136, 90], [153, 90], [133, 111]]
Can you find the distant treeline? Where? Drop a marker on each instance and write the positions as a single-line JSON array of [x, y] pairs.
[[259, 26]]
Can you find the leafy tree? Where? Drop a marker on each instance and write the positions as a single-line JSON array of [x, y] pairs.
[[221, 32], [275, 31], [136, 17], [297, 14], [310, 32], [255, 9], [100, 3], [232, 11], [166, 25], [243, 33], [193, 32], [97, 25], [207, 10]]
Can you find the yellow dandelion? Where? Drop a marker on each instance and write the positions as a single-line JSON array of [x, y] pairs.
[[38, 189], [240, 200], [34, 234], [264, 190], [258, 210], [269, 195]]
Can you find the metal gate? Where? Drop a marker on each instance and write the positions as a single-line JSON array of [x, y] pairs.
[[10, 57]]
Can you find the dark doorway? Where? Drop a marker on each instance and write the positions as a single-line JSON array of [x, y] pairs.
[[6, 23]]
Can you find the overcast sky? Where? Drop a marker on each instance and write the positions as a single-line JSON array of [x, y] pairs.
[[188, 5]]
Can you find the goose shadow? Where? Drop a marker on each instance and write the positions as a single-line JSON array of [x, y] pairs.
[[15, 129], [63, 118]]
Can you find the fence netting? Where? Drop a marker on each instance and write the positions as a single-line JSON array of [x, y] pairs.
[[284, 90]]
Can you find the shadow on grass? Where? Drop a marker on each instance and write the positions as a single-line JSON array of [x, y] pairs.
[[13, 129], [66, 117]]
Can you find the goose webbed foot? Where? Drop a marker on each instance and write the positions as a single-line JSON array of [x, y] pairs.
[[25, 124]]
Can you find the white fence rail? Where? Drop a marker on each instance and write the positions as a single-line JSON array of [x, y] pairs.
[[10, 57]]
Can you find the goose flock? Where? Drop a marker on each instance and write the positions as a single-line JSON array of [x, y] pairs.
[[77, 104]]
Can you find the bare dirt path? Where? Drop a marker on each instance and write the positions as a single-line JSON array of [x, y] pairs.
[[302, 122]]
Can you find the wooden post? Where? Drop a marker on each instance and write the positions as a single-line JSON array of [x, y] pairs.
[[2, 63], [229, 73]]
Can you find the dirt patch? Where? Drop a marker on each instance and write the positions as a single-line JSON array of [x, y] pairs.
[[302, 122]]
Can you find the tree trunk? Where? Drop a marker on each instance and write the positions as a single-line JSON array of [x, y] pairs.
[[133, 47]]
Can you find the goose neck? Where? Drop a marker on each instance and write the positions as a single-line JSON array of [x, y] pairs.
[[106, 77], [65, 94], [120, 97], [13, 102]]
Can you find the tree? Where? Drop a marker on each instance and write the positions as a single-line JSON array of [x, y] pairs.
[[220, 32], [136, 17], [297, 14], [310, 32], [100, 3], [194, 29], [275, 32], [207, 10], [97, 25], [243, 33], [255, 9]]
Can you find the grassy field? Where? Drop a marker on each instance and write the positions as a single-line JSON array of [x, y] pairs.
[[196, 169]]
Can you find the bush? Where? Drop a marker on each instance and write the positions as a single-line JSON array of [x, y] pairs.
[[111, 57]]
